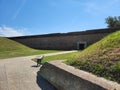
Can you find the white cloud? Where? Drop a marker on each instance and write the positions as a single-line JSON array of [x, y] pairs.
[[19, 9], [10, 32]]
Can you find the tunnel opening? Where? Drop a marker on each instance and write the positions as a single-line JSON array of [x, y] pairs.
[[81, 45]]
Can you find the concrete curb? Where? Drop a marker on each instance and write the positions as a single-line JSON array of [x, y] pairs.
[[65, 77]]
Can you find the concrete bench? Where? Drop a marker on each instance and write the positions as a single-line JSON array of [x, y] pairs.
[[39, 60]]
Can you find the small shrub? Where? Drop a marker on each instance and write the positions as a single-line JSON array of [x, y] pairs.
[[115, 72]]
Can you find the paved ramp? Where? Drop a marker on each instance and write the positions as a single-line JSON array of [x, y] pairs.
[[21, 74]]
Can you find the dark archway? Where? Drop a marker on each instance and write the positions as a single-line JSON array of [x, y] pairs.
[[81, 45]]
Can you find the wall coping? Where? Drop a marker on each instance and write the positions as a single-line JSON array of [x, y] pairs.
[[58, 68], [86, 32]]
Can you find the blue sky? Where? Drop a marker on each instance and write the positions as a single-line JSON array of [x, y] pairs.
[[30, 17]]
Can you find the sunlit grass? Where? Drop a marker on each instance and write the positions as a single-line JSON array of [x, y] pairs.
[[10, 48]]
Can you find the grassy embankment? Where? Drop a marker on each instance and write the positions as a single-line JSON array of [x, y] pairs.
[[10, 48], [101, 58]]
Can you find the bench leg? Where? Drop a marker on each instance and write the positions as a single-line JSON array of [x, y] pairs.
[[37, 64]]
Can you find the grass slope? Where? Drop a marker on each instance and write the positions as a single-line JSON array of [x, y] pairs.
[[10, 48], [105, 49], [59, 57], [101, 58]]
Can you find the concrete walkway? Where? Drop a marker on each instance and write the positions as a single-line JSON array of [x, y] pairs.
[[21, 73]]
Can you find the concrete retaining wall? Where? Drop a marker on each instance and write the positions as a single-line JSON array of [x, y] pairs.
[[65, 77]]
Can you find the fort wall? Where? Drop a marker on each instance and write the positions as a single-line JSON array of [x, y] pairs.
[[63, 41]]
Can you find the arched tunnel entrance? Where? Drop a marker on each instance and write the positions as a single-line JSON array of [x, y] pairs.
[[81, 45]]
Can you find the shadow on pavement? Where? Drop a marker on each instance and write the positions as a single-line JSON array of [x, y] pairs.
[[44, 84], [34, 66]]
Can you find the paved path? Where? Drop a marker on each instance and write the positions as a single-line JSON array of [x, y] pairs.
[[21, 74]]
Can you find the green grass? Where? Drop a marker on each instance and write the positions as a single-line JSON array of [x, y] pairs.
[[10, 48], [59, 57], [101, 58], [102, 49]]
